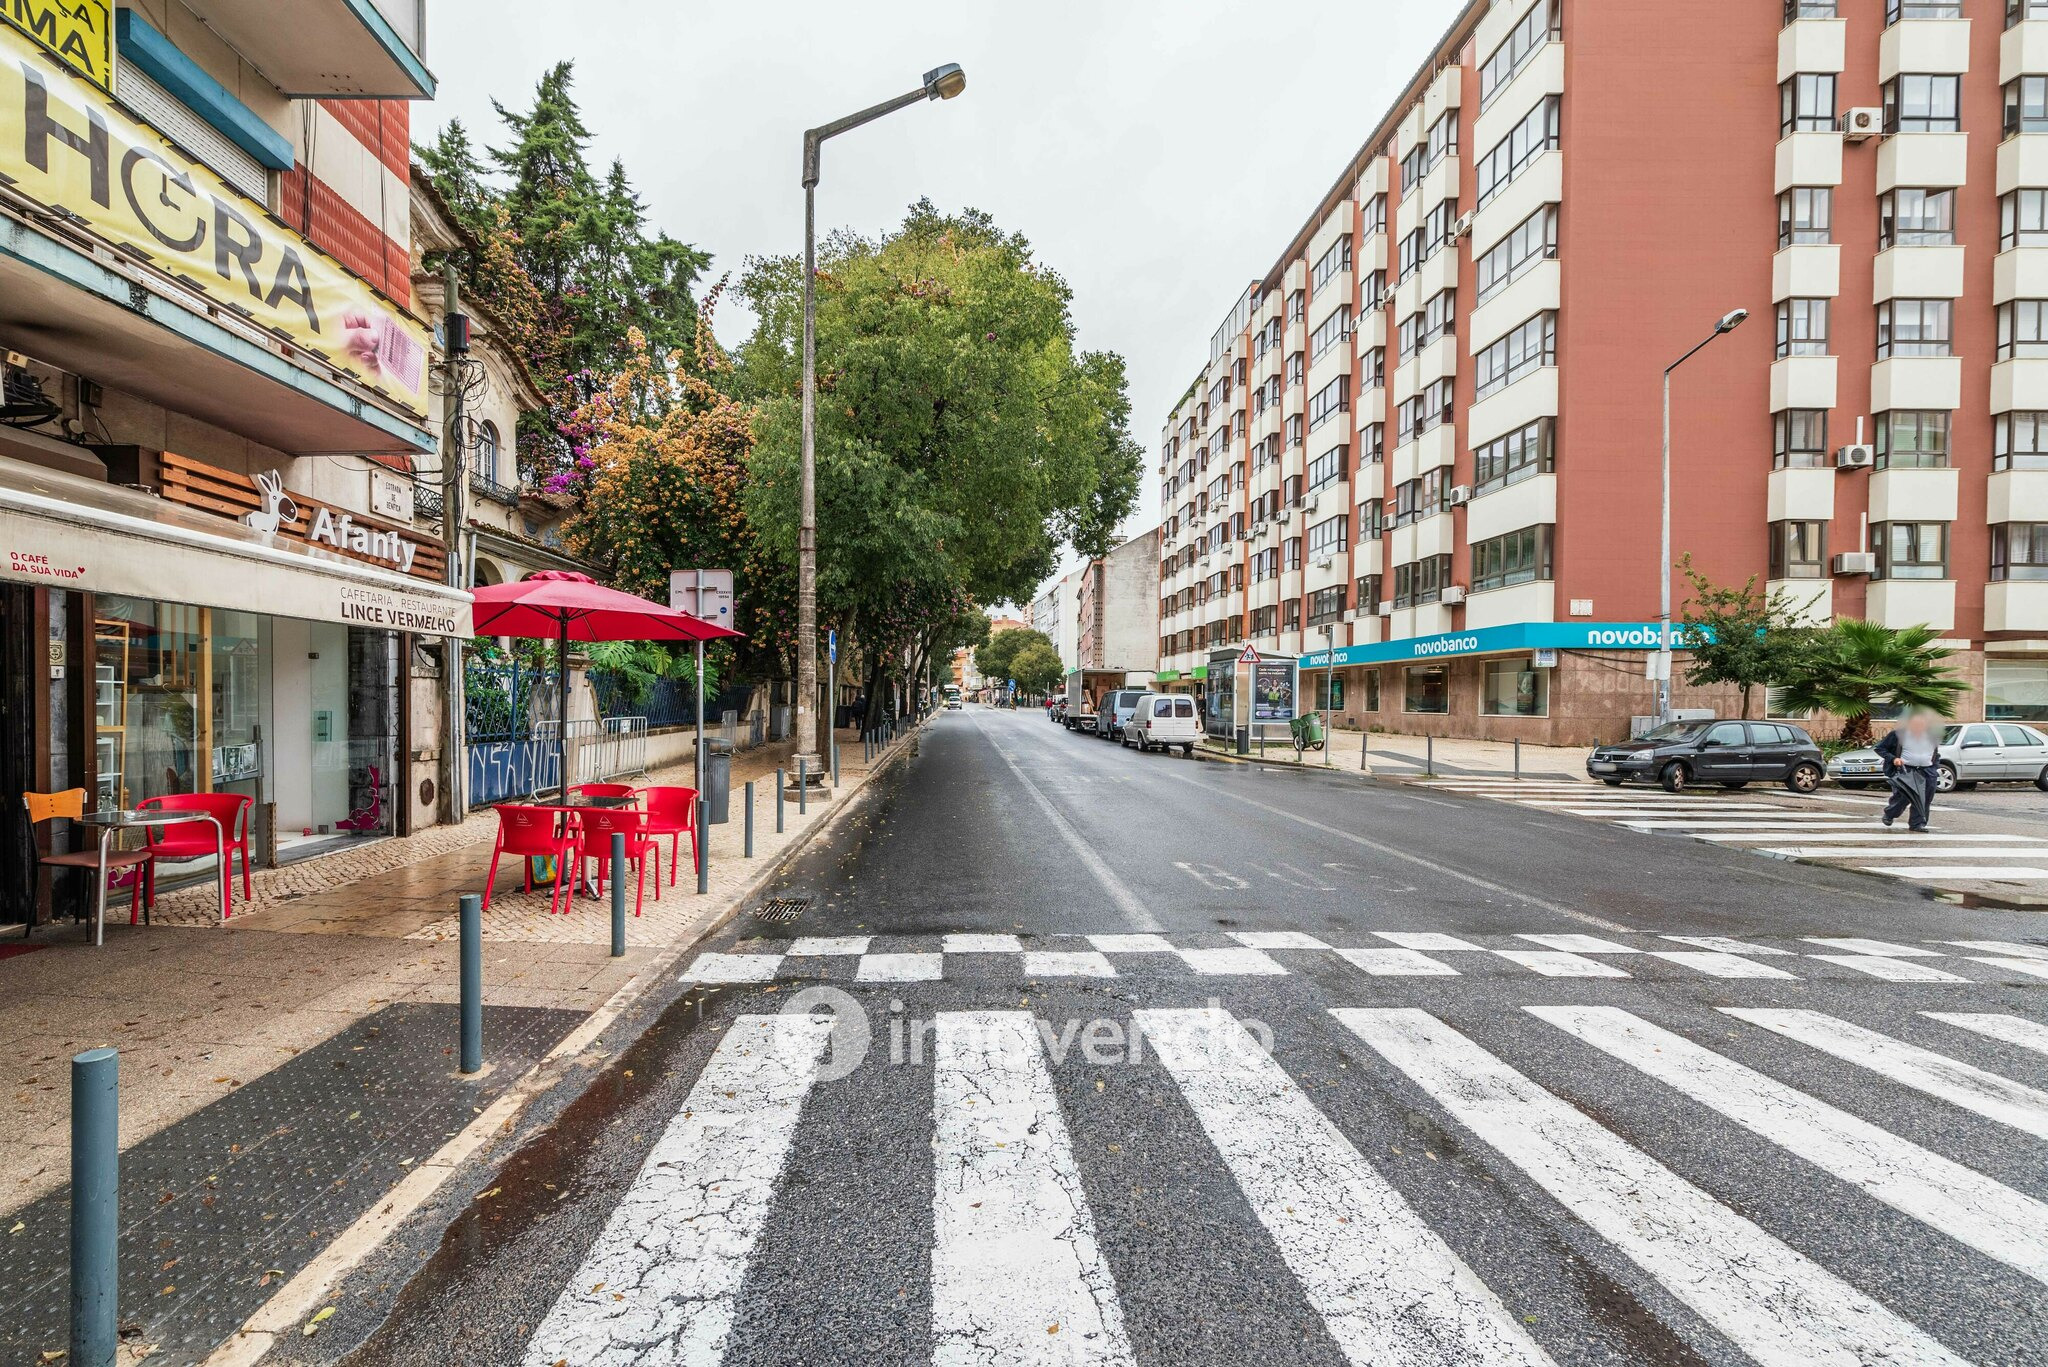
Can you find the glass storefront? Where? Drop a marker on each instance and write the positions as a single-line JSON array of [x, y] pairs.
[[1514, 688], [2016, 690], [1428, 689]]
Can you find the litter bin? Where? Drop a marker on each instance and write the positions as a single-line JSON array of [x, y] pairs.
[[717, 781]]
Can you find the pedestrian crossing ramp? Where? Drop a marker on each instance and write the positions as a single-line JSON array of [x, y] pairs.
[[1022, 1269], [1836, 831]]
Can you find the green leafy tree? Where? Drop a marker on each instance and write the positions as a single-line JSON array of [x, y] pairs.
[[1737, 635], [994, 660], [1037, 667], [1854, 666]]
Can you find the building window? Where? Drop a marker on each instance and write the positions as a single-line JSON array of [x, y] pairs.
[[1327, 468], [1368, 587], [1437, 318], [1914, 327], [1806, 215], [1369, 687], [1297, 367], [1297, 306], [1290, 615], [1801, 441], [1895, 10], [1336, 259], [1533, 240], [1910, 550], [1520, 557], [1802, 327], [1513, 688], [1799, 550], [1916, 218], [2022, 328], [1328, 538], [1372, 216], [1326, 606], [1372, 368], [1426, 410], [1916, 103], [2020, 441], [2016, 690], [1809, 9], [1294, 430], [2019, 11], [1537, 27], [1524, 452], [1421, 582], [1371, 514], [1332, 330], [1412, 167], [1428, 689], [1327, 402], [1415, 499], [1372, 290], [1912, 440], [2023, 219], [2019, 550], [2026, 105], [1372, 444], [1536, 134], [1523, 351], [1806, 104]]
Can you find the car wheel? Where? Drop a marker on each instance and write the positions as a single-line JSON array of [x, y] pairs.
[[2041, 779], [1675, 776], [1611, 782], [1969, 787], [1804, 778], [1944, 777], [1188, 752], [1735, 783]]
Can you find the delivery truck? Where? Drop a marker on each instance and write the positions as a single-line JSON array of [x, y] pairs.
[[1087, 687]]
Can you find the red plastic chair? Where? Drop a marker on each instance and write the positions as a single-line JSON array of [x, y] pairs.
[[600, 824], [70, 805], [187, 840], [672, 812], [528, 833], [602, 790]]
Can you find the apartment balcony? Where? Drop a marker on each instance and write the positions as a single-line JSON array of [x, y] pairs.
[[1806, 271], [1420, 540], [1535, 601], [1800, 382], [1319, 575], [2019, 384], [2016, 496], [1430, 619], [1538, 290], [1812, 601], [1809, 159], [1541, 182], [1914, 495], [1922, 160], [2016, 605], [1436, 447], [1917, 273], [1542, 75], [1912, 603], [1916, 382], [1818, 45], [1801, 495], [2022, 161], [1528, 503], [1428, 280], [1527, 399], [346, 48], [2021, 273], [2023, 51]]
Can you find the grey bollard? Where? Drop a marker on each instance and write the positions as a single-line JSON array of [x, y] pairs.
[[1429, 756], [750, 818], [1518, 757], [1244, 740], [619, 894], [472, 983], [835, 761], [703, 849], [95, 1206], [778, 801], [803, 785]]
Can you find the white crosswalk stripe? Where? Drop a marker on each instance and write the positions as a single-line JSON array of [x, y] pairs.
[[1017, 1274], [658, 1285], [1555, 963], [1768, 1299], [2012, 1029], [1852, 945], [1388, 1288], [1579, 944], [1961, 1084], [1716, 964], [1722, 944], [2004, 947], [2033, 968], [1397, 963], [1891, 970], [1966, 1206]]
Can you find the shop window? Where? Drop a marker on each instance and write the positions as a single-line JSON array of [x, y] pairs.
[[2016, 690], [1428, 689], [1514, 688], [1369, 690]]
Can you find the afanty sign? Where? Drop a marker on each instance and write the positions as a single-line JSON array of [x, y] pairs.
[[1515, 636], [62, 144]]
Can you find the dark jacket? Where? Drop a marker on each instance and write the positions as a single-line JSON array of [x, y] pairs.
[[1890, 746]]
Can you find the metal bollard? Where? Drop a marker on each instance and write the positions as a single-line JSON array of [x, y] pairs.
[[95, 1206], [803, 785], [703, 849], [778, 801], [472, 983], [835, 762], [1518, 757], [1244, 741], [619, 895], [1429, 756], [750, 818]]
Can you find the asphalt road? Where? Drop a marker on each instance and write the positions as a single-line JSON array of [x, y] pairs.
[[862, 1139]]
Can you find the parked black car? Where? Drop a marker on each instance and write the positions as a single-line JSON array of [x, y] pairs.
[[1680, 754]]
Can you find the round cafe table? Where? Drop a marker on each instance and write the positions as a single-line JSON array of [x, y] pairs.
[[114, 819]]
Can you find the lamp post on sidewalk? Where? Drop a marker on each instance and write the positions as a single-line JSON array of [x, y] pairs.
[[940, 83], [1729, 322]]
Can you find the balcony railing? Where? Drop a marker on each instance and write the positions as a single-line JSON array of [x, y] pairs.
[[485, 487], [427, 503]]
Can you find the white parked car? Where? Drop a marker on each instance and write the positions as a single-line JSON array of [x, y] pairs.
[[1970, 753], [1162, 721]]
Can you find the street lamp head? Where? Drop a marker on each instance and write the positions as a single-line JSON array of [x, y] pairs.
[[1731, 320], [943, 83]]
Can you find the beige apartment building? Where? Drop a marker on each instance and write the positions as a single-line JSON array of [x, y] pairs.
[[1425, 445]]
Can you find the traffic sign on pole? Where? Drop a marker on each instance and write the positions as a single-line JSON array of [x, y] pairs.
[[832, 645], [1250, 657]]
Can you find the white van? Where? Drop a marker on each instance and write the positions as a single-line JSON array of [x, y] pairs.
[[1164, 720]]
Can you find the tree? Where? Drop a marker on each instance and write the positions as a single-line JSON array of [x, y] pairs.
[[1739, 636], [961, 437], [994, 660], [1037, 667], [1855, 666]]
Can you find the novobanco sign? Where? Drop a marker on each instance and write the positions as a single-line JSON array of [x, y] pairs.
[[1515, 636]]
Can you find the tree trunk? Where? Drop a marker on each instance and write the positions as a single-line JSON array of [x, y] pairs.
[[1856, 729], [1745, 702]]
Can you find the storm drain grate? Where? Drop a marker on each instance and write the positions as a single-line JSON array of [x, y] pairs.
[[783, 910]]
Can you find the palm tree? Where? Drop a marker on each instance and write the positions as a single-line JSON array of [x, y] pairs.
[[1855, 665]]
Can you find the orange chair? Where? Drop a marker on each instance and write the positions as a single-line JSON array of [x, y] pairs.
[[69, 805], [530, 833], [672, 812], [602, 790], [196, 839], [600, 824]]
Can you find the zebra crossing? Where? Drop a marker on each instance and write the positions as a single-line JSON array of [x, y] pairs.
[[1790, 828], [1021, 1271], [984, 958]]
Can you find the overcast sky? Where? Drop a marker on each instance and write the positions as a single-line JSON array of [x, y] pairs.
[[1159, 154]]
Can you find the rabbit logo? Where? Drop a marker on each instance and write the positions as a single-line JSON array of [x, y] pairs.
[[267, 519]]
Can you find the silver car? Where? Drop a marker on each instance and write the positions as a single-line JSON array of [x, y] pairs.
[[1970, 753]]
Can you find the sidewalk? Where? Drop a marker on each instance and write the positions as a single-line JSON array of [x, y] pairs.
[[1415, 756], [233, 1037]]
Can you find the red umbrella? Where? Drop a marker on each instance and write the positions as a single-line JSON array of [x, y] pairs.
[[563, 606]]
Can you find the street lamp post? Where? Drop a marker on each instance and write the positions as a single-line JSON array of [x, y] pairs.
[[941, 83], [1729, 322]]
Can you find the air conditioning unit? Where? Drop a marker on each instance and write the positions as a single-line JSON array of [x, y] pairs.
[[1322, 564], [1856, 562], [1458, 496], [1464, 224], [1386, 607], [1858, 457], [1862, 123], [1352, 614], [1453, 596]]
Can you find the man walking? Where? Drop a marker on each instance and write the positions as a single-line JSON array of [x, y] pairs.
[[1910, 752]]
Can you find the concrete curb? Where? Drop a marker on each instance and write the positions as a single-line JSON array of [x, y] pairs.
[[296, 1301]]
